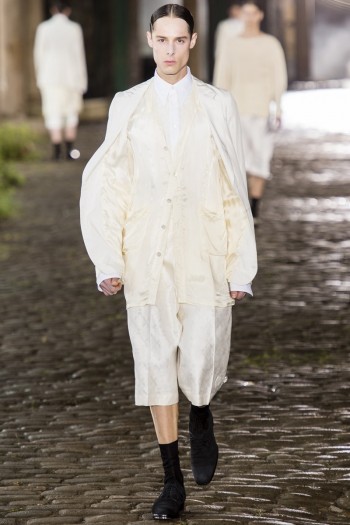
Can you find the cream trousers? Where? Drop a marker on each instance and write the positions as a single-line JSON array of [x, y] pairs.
[[178, 345]]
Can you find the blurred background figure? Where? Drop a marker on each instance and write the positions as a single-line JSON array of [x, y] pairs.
[[229, 28], [61, 76], [252, 66]]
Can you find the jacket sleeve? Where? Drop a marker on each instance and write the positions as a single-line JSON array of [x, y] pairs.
[[81, 61], [104, 202], [235, 129], [38, 50], [242, 256]]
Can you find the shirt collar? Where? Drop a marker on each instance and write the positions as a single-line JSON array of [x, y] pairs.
[[182, 88], [60, 16]]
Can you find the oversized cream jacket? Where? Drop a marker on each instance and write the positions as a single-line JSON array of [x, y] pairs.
[[125, 223], [59, 56]]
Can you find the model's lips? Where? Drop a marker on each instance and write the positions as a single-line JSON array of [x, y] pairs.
[[170, 62]]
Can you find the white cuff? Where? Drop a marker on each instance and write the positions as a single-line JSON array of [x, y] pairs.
[[247, 288]]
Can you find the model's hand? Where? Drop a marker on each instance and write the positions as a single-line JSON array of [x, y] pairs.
[[238, 295], [111, 286]]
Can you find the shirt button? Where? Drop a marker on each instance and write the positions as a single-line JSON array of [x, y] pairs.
[[168, 200], [163, 226], [165, 148], [158, 254]]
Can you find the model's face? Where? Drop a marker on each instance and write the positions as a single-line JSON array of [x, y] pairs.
[[234, 12], [251, 16], [171, 43]]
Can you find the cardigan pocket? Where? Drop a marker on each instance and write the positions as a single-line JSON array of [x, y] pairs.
[[135, 229], [214, 232]]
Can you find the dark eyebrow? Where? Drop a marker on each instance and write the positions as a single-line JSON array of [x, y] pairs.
[[165, 37]]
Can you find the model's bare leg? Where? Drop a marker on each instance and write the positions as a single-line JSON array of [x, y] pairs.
[[256, 186], [165, 419], [70, 133], [56, 137], [171, 501]]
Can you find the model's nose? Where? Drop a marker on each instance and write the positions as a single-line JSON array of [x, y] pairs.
[[171, 49]]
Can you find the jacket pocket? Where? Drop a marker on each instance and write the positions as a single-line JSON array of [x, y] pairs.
[[214, 232], [135, 229]]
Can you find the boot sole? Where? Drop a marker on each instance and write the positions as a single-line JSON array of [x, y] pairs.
[[168, 516]]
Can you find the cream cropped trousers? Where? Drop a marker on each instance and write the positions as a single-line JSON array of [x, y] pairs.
[[178, 346]]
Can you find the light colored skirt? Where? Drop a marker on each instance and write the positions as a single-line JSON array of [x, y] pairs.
[[178, 345], [61, 107], [258, 144]]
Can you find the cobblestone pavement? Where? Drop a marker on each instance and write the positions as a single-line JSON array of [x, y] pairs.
[[74, 448]]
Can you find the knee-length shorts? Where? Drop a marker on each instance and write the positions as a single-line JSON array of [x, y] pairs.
[[258, 145], [177, 345], [61, 107]]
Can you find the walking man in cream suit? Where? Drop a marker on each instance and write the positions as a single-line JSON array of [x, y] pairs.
[[165, 212], [60, 67]]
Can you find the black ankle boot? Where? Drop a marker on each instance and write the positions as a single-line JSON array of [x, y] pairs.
[[56, 151], [254, 204], [69, 147], [172, 498], [204, 450], [171, 501]]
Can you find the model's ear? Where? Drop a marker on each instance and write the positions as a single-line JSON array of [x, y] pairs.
[[193, 40], [149, 38]]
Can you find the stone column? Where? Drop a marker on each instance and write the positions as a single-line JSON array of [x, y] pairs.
[[34, 15], [18, 21], [199, 55], [282, 23], [305, 19]]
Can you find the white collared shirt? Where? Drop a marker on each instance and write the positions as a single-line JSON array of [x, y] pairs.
[[172, 98]]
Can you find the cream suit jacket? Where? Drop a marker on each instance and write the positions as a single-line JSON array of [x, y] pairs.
[[105, 196], [59, 56]]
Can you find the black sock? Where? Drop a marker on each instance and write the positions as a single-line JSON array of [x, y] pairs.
[[254, 204], [69, 147], [56, 151], [171, 462], [199, 417]]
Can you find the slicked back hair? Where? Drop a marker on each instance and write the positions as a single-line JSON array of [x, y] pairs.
[[175, 11], [60, 5], [258, 3]]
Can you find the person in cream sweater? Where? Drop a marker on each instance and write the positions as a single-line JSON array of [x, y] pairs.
[[253, 69]]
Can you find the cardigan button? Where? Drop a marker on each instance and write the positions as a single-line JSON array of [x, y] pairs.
[[158, 254]]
